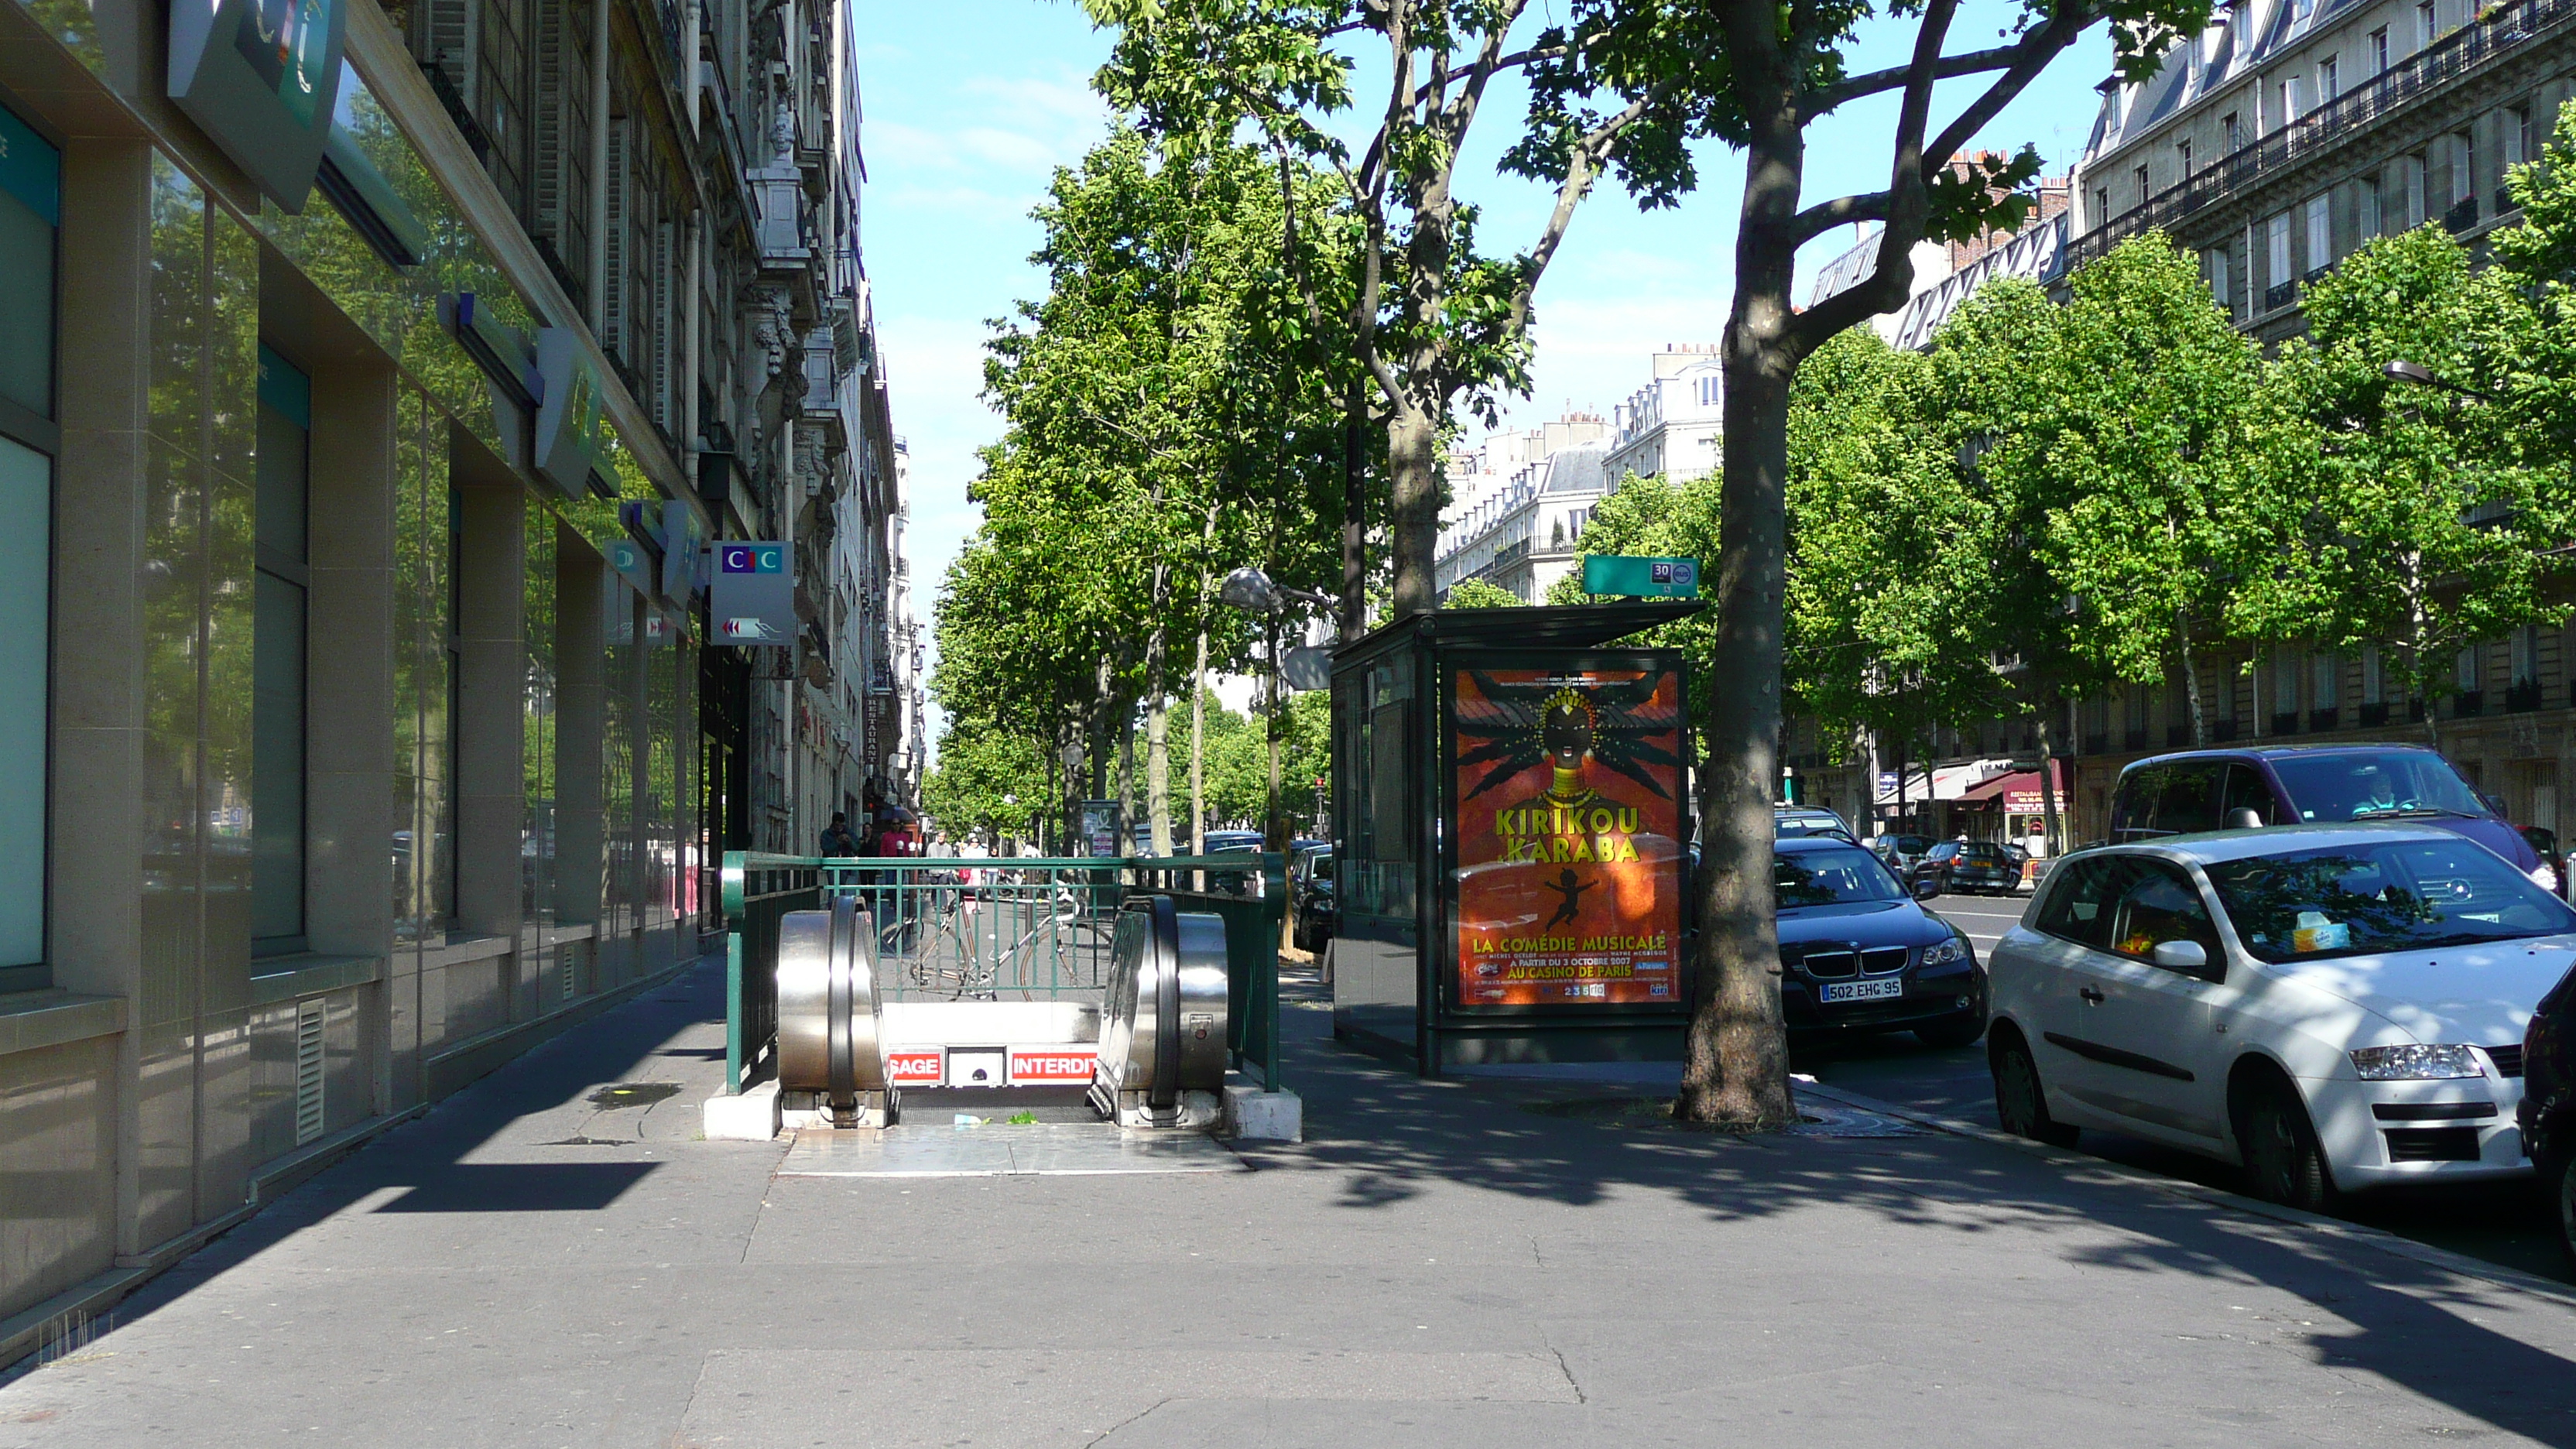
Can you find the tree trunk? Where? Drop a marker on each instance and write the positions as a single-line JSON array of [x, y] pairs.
[[2053, 835], [1413, 507], [1158, 742], [1737, 1068], [1904, 748], [1355, 508], [1198, 751], [1274, 823], [2191, 691], [1126, 723]]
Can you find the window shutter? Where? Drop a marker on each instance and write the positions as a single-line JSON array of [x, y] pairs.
[[666, 317], [552, 50], [443, 35], [611, 309]]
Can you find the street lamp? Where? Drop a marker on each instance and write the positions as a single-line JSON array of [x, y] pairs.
[[1255, 592], [2402, 370]]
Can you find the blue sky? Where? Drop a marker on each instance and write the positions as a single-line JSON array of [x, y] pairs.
[[971, 105]]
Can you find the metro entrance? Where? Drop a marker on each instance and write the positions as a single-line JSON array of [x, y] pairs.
[[1145, 990]]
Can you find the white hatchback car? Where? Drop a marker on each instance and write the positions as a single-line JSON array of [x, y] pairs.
[[2334, 1007]]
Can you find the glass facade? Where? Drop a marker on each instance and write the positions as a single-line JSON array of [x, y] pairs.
[[279, 657], [30, 212]]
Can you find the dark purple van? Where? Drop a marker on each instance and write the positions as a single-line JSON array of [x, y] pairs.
[[2308, 784]]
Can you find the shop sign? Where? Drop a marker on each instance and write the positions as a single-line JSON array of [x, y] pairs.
[[567, 449], [1568, 790], [1641, 578], [917, 1066], [262, 79], [683, 546], [1100, 827], [753, 600], [1057, 1066]]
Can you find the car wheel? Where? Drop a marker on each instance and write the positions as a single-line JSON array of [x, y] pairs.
[[2019, 1102], [2284, 1163], [1952, 1032], [2561, 1187]]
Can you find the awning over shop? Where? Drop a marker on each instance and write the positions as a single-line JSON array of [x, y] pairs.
[[2019, 791], [1949, 782]]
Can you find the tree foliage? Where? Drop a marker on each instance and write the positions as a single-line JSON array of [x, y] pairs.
[[1162, 426]]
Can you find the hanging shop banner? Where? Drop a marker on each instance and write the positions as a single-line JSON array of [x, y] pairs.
[[262, 77], [566, 448], [753, 601], [1570, 856]]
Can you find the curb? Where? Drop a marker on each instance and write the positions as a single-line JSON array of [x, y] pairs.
[[2424, 1254]]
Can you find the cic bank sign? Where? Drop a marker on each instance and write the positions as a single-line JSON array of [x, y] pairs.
[[753, 601]]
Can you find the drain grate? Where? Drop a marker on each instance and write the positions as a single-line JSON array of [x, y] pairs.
[[633, 1094]]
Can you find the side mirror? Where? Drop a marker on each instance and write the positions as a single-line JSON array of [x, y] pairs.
[[2244, 817], [2184, 956], [2494, 803], [1926, 887]]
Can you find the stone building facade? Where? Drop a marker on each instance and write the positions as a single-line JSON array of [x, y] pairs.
[[2272, 145], [375, 379]]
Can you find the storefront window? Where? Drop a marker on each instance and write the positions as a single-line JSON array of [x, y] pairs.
[[30, 210], [278, 660]]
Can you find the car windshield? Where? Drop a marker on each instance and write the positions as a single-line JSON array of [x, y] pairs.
[[1831, 877], [2405, 895], [2374, 785]]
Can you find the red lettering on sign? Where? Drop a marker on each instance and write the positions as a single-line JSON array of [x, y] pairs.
[[1059, 1065], [916, 1068]]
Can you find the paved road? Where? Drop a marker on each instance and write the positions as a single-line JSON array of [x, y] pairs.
[[2502, 1223], [1485, 1264]]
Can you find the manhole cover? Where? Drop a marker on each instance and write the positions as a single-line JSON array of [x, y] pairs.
[[634, 1094]]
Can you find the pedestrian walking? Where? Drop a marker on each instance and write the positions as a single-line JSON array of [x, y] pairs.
[[838, 842]]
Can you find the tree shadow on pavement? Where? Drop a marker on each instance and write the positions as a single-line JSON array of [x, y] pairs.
[[1391, 1137]]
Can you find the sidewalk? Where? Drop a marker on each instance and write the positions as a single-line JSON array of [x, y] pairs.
[[1438, 1266]]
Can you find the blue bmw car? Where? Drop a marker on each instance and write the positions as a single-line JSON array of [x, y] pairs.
[[1860, 954]]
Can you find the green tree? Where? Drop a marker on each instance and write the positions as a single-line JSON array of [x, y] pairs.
[[2147, 477], [1158, 432], [1781, 67], [1890, 589], [1479, 594], [989, 786], [1432, 319], [2436, 516]]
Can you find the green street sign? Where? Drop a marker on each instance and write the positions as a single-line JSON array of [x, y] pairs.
[[1642, 578]]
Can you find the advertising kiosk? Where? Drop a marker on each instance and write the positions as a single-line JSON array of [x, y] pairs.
[[1511, 828]]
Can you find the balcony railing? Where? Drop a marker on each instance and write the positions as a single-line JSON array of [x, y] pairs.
[[2279, 294], [2462, 215], [2446, 60]]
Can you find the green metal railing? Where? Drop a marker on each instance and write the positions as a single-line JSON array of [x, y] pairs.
[[971, 928], [758, 889]]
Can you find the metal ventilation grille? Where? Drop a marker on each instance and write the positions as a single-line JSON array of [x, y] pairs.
[[568, 968], [309, 1017]]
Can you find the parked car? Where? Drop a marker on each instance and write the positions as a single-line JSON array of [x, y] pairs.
[[1310, 899], [2201, 790], [1900, 853], [2333, 1007], [2548, 1114], [2544, 843], [1858, 953], [1791, 822], [1977, 867]]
